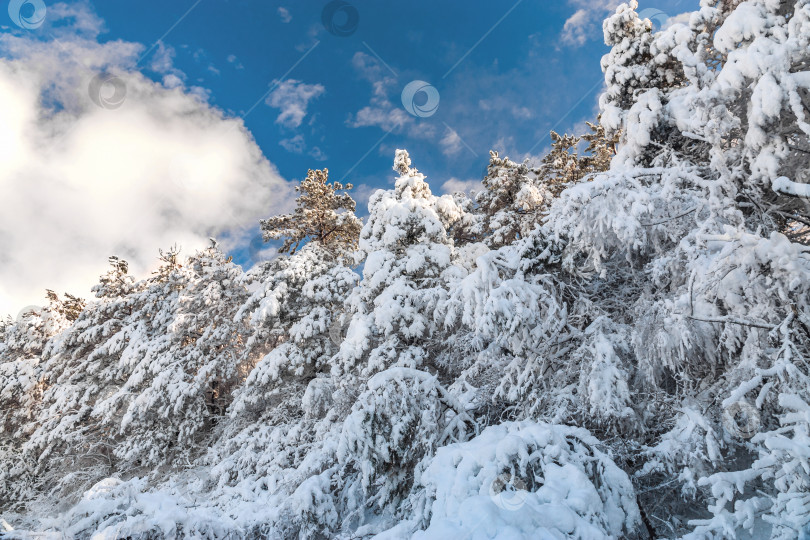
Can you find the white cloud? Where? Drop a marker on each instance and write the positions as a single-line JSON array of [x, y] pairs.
[[576, 28], [681, 18], [450, 143], [292, 98], [80, 182], [454, 185], [284, 14], [163, 62], [585, 23], [381, 115], [381, 111], [234, 61], [361, 194], [296, 144], [317, 154], [78, 18]]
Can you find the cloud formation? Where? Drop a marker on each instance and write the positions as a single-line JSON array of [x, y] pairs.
[[450, 143], [454, 185], [292, 98], [381, 111], [585, 23], [80, 182], [284, 14]]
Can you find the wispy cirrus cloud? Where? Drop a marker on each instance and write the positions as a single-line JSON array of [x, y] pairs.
[[451, 142], [455, 185], [380, 111], [284, 14], [585, 23], [298, 145], [384, 109], [292, 98]]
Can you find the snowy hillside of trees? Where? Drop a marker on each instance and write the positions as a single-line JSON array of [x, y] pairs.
[[613, 343]]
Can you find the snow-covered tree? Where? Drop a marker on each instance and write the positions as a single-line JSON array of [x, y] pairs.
[[176, 396], [615, 344], [688, 221], [21, 391], [402, 418], [284, 416], [534, 480], [322, 214], [407, 251], [512, 201], [87, 373], [296, 317]]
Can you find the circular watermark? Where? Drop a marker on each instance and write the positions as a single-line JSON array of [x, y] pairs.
[[27, 312], [420, 99], [339, 328], [508, 492], [657, 17], [27, 14], [108, 91], [340, 18], [741, 419]]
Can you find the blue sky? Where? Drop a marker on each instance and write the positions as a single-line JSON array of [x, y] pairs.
[[521, 80], [228, 102]]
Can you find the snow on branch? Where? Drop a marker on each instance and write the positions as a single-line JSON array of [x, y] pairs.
[[786, 186]]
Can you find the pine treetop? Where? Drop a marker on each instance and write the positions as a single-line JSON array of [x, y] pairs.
[[323, 214]]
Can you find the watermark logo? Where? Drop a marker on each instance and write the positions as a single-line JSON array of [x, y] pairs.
[[657, 17], [108, 91], [27, 14], [508, 492], [339, 328], [420, 99], [28, 312], [741, 419], [340, 18]]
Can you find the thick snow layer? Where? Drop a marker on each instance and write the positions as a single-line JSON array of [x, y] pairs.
[[524, 480], [788, 187], [648, 289]]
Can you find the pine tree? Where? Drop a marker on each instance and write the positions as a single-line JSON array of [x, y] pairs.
[[563, 167], [322, 214], [685, 225], [512, 201], [22, 385], [183, 387], [94, 372], [613, 344], [116, 282], [70, 308], [407, 248], [601, 148]]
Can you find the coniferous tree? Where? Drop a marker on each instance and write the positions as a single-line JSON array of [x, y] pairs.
[[512, 201], [322, 214], [407, 249], [648, 283], [284, 415]]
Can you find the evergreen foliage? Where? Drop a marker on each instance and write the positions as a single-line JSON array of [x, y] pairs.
[[611, 343]]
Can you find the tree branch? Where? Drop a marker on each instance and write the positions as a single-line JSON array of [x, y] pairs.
[[727, 320]]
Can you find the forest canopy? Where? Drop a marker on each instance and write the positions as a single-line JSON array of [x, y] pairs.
[[613, 342]]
